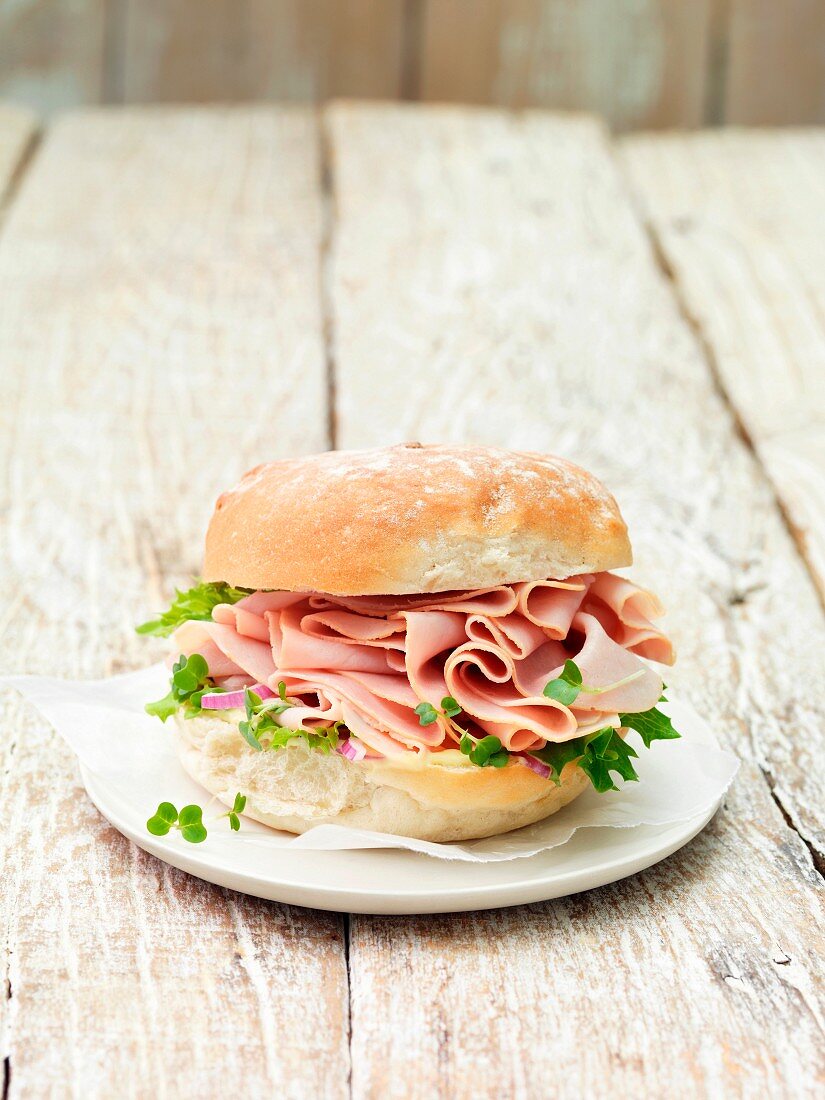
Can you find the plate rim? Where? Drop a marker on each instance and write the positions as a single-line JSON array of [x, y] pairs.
[[528, 889]]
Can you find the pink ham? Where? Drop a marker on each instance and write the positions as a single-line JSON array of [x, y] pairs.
[[370, 660], [551, 605], [247, 615], [347, 626], [296, 648], [602, 662], [480, 679], [625, 611], [487, 601], [513, 633], [246, 654]]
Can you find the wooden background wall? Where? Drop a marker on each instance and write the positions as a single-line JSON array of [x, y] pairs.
[[641, 63]]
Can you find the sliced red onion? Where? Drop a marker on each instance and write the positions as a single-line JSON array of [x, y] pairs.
[[534, 764], [351, 751], [229, 700]]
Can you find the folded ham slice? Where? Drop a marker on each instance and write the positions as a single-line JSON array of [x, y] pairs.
[[368, 661]]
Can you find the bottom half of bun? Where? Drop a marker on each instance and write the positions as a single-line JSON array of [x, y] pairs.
[[296, 788]]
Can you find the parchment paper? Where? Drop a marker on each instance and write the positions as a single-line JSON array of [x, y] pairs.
[[104, 723]]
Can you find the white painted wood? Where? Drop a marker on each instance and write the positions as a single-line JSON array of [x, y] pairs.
[[741, 219], [17, 128], [160, 332], [491, 282]]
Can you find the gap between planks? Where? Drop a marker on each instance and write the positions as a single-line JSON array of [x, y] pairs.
[[716, 375], [20, 157]]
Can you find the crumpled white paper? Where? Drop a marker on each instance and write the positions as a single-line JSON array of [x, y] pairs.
[[104, 723]]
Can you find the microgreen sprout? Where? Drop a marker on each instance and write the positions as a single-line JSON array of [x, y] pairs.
[[486, 751], [189, 822], [238, 807], [261, 731], [188, 683], [427, 713], [566, 687]]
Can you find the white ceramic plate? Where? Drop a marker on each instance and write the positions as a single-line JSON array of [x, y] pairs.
[[395, 881]]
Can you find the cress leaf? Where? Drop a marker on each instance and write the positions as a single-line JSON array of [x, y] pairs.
[[571, 673], [194, 833], [163, 819], [561, 691], [190, 815], [450, 706], [566, 687], [249, 734], [196, 603], [427, 714]]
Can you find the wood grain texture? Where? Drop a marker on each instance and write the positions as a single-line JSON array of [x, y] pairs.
[[637, 63], [741, 220], [159, 333], [257, 49], [775, 62], [17, 129], [52, 52], [491, 283]]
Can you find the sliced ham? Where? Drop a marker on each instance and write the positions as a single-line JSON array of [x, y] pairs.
[[551, 605], [246, 654], [625, 611], [368, 661], [480, 679], [602, 663], [488, 601]]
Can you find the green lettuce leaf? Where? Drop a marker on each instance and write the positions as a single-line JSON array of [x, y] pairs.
[[196, 603], [652, 724], [605, 751]]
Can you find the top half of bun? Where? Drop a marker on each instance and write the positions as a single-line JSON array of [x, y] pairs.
[[413, 518]]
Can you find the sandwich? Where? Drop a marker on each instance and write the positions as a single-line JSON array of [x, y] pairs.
[[421, 640]]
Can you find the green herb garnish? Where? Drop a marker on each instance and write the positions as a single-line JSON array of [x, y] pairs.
[[238, 807], [188, 683], [189, 822], [486, 752], [427, 713], [261, 731], [567, 687], [651, 724], [605, 751], [196, 603]]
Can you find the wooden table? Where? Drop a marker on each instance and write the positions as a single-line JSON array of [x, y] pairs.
[[184, 293]]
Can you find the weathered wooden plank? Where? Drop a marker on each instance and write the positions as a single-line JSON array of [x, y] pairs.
[[254, 49], [740, 218], [17, 130], [159, 333], [775, 62], [511, 296], [636, 64], [52, 52]]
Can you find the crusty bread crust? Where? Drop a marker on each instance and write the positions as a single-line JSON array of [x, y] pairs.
[[413, 518], [295, 788]]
